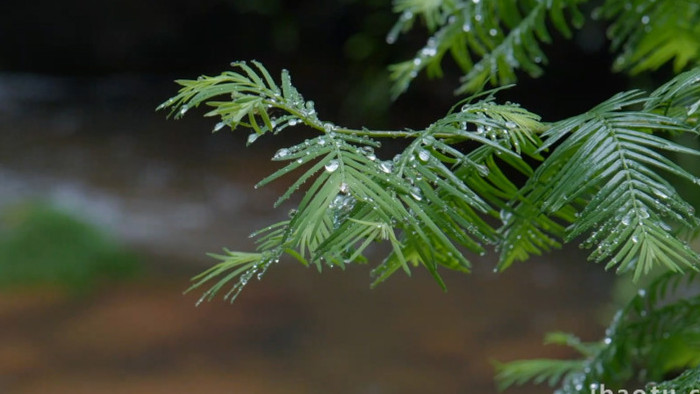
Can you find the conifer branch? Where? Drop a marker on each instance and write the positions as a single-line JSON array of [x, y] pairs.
[[431, 201], [489, 40], [650, 33]]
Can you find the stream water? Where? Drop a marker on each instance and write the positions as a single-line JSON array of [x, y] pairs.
[[173, 191]]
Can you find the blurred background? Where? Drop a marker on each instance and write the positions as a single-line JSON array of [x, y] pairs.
[[107, 209]]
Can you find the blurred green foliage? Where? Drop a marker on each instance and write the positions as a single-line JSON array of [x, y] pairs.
[[41, 245]]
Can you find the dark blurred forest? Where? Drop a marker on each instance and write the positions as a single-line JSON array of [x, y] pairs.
[[336, 51]]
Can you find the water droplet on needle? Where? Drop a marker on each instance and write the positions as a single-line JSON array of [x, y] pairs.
[[332, 165]]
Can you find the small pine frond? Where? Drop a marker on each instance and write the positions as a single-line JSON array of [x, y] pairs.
[[441, 211], [489, 40], [655, 334], [611, 160], [432, 12], [233, 265], [687, 382], [526, 230], [572, 341], [536, 371], [507, 129], [650, 33], [679, 98], [339, 183], [254, 101], [272, 244], [602, 178]]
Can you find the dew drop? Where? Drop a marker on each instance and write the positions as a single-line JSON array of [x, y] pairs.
[[493, 32], [424, 155], [368, 151], [643, 213], [344, 188], [511, 125], [635, 239], [645, 19], [386, 166], [607, 340], [201, 299], [219, 126], [281, 154], [416, 193], [252, 137], [244, 279], [660, 194], [467, 27], [429, 51], [328, 127], [626, 220], [184, 109], [332, 165], [620, 61], [293, 122], [505, 215]]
